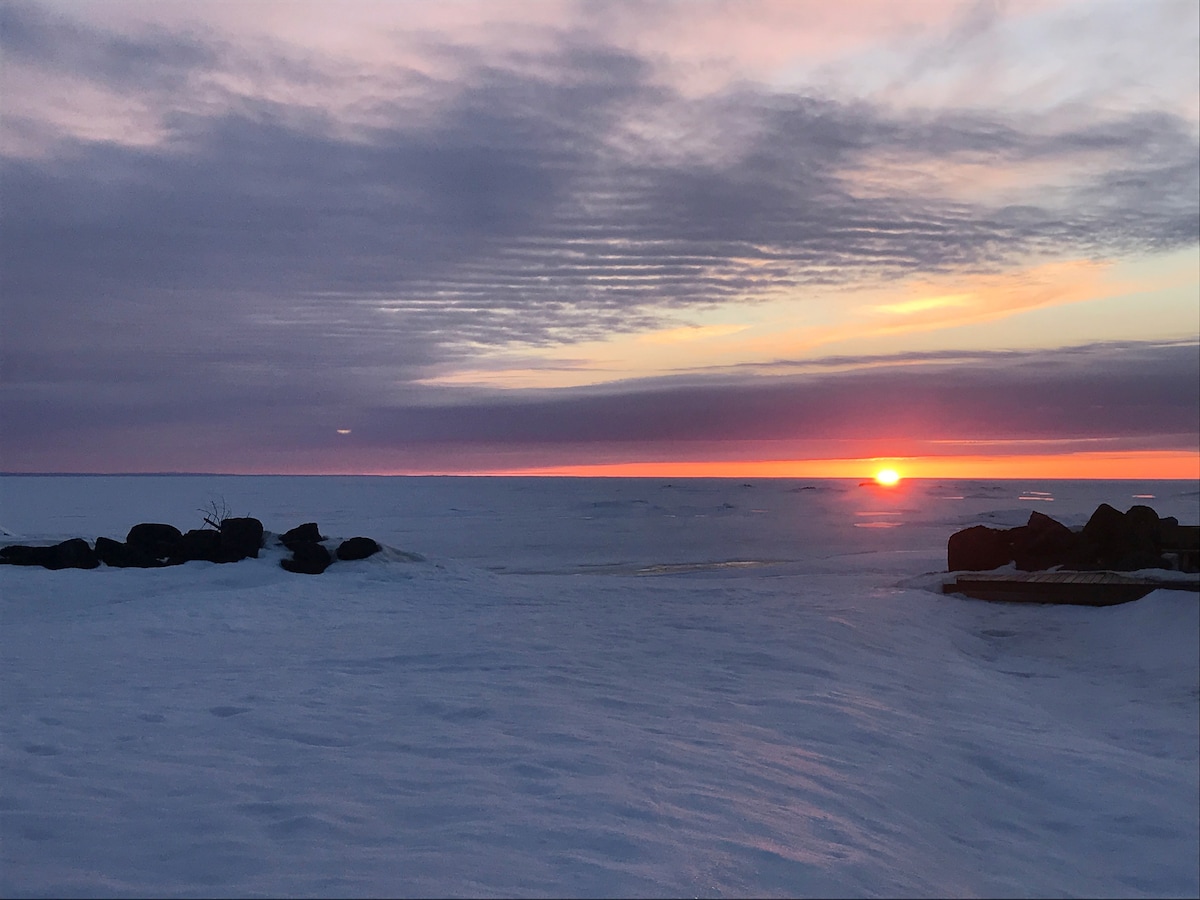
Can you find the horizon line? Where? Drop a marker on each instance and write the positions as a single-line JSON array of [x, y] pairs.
[[598, 476], [1095, 465]]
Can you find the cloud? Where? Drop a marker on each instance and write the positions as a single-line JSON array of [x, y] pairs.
[[1092, 391], [152, 60], [511, 218], [1123, 394], [249, 252]]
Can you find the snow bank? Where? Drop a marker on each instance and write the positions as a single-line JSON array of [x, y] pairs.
[[586, 688]]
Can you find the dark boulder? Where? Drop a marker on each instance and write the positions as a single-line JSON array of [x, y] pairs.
[[1166, 527], [1042, 543], [199, 544], [1181, 545], [241, 537], [109, 551], [357, 548], [307, 533], [1105, 525], [308, 558], [1141, 519], [1120, 541], [123, 556], [154, 538], [21, 555], [978, 549], [73, 554], [1142, 547]]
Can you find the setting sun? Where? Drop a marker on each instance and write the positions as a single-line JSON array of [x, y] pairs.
[[887, 477]]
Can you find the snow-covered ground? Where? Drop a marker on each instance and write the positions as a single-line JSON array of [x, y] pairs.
[[588, 688]]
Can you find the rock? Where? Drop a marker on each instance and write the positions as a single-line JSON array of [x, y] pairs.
[[73, 554], [1142, 540], [1111, 540], [123, 556], [1141, 519], [1042, 543], [1102, 537], [1120, 541], [241, 537], [308, 558], [21, 555], [978, 549], [1181, 545], [306, 533], [357, 548], [108, 550], [203, 544], [154, 538]]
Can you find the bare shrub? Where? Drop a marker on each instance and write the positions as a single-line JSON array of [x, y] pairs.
[[216, 512]]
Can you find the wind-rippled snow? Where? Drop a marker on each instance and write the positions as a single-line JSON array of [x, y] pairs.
[[588, 688]]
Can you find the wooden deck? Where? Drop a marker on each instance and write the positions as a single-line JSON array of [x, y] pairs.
[[1076, 588]]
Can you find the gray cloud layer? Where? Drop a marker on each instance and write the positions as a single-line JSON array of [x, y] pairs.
[[266, 258], [1079, 392], [1141, 395]]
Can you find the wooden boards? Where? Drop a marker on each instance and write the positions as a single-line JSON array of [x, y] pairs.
[[1076, 588]]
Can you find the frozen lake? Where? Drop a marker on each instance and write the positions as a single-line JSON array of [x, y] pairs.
[[588, 687]]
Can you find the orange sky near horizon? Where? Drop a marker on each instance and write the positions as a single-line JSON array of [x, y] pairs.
[[1139, 465]]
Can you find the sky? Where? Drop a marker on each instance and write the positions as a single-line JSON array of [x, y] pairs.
[[693, 238]]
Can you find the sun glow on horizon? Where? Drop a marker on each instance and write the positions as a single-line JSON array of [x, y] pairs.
[[1130, 464], [887, 477]]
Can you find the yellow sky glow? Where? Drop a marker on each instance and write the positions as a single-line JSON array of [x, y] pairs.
[[778, 334]]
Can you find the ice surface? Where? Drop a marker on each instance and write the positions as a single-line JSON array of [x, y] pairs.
[[588, 688]]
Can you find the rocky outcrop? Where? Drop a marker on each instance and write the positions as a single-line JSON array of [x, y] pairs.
[[1111, 540], [154, 544]]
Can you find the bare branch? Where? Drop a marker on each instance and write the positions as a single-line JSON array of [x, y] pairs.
[[215, 513]]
